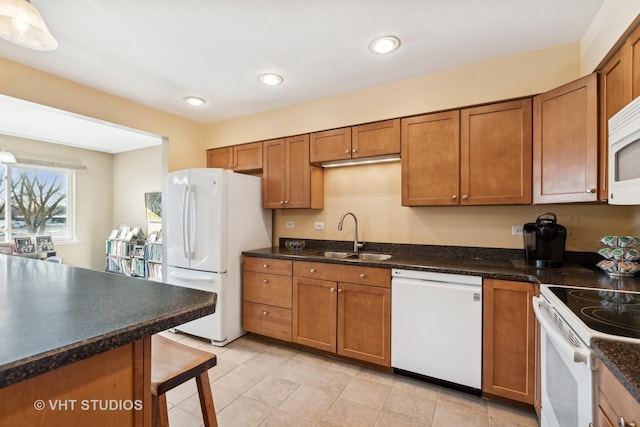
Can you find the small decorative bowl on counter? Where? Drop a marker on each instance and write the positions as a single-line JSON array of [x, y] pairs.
[[620, 255], [294, 245]]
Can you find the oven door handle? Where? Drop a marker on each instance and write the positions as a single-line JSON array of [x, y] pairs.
[[578, 355]]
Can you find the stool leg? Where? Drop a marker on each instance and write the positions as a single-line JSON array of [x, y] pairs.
[[163, 411], [206, 400]]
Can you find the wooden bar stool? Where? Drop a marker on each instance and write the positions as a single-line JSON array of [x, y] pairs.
[[172, 364]]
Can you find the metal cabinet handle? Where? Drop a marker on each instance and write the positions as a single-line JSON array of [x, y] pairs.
[[264, 313], [623, 423], [230, 166], [332, 290], [265, 281], [340, 291], [465, 197], [282, 202], [286, 202], [265, 265], [455, 196], [313, 270], [590, 190], [346, 151], [362, 275], [355, 150]]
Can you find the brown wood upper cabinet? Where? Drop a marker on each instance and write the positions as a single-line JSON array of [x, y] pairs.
[[565, 143], [289, 180], [240, 158], [368, 140], [474, 156], [619, 85]]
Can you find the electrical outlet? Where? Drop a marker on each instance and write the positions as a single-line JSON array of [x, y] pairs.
[[289, 224], [318, 225], [516, 230]]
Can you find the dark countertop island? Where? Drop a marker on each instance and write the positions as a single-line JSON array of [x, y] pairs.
[[505, 264], [52, 315]]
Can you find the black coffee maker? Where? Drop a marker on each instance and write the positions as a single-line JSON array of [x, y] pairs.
[[544, 241]]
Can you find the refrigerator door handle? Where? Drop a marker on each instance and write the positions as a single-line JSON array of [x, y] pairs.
[[190, 277], [185, 237], [192, 222]]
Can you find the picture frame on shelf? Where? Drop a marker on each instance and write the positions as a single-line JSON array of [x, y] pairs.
[[153, 236], [7, 248], [20, 242], [153, 206], [27, 249], [44, 243]]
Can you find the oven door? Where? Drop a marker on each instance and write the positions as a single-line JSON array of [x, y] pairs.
[[568, 372]]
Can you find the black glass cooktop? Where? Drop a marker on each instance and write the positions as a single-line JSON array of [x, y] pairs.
[[604, 310]]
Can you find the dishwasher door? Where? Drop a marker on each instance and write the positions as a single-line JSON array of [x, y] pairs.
[[436, 328]]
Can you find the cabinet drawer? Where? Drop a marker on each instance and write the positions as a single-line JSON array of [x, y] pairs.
[[268, 289], [267, 320], [267, 265], [344, 273]]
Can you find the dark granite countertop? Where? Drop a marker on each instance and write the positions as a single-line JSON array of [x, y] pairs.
[[506, 264], [623, 360], [52, 315]]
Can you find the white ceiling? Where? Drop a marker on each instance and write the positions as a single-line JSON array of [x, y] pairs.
[[156, 52]]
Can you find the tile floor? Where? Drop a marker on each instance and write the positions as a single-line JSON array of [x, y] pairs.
[[257, 383]]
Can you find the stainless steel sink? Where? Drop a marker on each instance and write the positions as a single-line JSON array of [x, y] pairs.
[[334, 254], [364, 256], [373, 257]]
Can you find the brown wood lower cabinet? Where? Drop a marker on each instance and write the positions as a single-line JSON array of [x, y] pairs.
[[350, 319], [615, 401], [77, 394], [508, 365], [266, 294]]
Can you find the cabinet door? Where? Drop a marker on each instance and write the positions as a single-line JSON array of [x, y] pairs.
[[314, 313], [247, 157], [565, 148], [220, 158], [495, 154], [364, 323], [298, 187], [508, 340], [431, 159], [375, 139], [615, 93], [632, 52], [273, 175], [330, 145]]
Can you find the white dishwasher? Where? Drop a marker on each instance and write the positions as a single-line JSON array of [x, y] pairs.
[[436, 327]]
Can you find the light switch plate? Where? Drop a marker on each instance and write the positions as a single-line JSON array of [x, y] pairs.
[[516, 230], [289, 224], [318, 225]]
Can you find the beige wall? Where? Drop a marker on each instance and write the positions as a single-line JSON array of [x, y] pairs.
[[613, 18], [135, 173], [94, 197]]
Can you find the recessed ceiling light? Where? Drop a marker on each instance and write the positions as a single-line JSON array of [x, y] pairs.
[[195, 101], [384, 44], [270, 79]]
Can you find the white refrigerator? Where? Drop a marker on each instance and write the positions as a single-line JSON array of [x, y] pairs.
[[212, 216]]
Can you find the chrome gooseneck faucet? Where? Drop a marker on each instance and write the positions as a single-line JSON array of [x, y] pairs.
[[356, 245]]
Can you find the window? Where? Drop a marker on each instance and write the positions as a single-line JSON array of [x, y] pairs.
[[40, 200]]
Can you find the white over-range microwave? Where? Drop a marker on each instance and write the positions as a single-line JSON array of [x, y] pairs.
[[624, 155]]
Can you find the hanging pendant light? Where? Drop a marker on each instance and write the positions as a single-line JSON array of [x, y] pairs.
[[22, 24]]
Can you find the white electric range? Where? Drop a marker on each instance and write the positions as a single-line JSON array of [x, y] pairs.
[[569, 318]]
